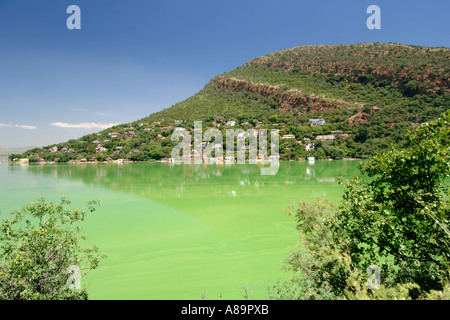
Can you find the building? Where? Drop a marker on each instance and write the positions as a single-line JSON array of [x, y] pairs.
[[230, 123], [114, 134], [101, 149], [181, 129], [317, 122], [288, 136], [129, 135], [328, 137], [242, 135]]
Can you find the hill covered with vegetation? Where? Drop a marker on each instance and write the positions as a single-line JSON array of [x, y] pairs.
[[363, 97]]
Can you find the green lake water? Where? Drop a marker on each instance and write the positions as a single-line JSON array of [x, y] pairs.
[[178, 231]]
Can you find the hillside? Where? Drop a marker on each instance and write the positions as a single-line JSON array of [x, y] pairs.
[[368, 95]]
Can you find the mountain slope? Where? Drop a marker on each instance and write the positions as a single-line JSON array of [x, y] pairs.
[[368, 94]]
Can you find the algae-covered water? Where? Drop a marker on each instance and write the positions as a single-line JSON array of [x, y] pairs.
[[181, 231]]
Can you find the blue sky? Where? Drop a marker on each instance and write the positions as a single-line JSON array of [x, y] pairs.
[[133, 58]]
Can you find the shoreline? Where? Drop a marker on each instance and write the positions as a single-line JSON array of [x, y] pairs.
[[122, 161]]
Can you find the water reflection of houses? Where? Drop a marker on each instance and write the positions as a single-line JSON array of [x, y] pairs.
[[309, 173], [184, 180], [327, 179]]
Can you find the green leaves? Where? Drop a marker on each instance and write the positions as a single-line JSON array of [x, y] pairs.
[[397, 218], [35, 255], [408, 186]]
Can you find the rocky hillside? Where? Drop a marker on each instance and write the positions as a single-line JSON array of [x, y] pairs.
[[366, 95]]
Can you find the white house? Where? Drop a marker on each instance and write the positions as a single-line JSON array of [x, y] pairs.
[[317, 122]]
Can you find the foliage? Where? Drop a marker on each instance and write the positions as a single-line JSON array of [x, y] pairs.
[[38, 245], [396, 218]]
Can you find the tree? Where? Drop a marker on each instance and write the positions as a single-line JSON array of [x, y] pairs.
[[363, 134], [402, 214], [14, 156], [39, 249], [398, 219]]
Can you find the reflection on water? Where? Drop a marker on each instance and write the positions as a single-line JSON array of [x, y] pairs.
[[163, 181]]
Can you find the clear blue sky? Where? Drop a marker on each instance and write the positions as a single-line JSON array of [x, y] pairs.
[[133, 58]]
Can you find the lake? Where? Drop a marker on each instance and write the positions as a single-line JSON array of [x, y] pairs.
[[181, 231]]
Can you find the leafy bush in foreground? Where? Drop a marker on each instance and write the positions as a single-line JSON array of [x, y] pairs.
[[40, 253], [398, 220]]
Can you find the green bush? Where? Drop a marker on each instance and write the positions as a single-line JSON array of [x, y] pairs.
[[39, 247], [397, 218]]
